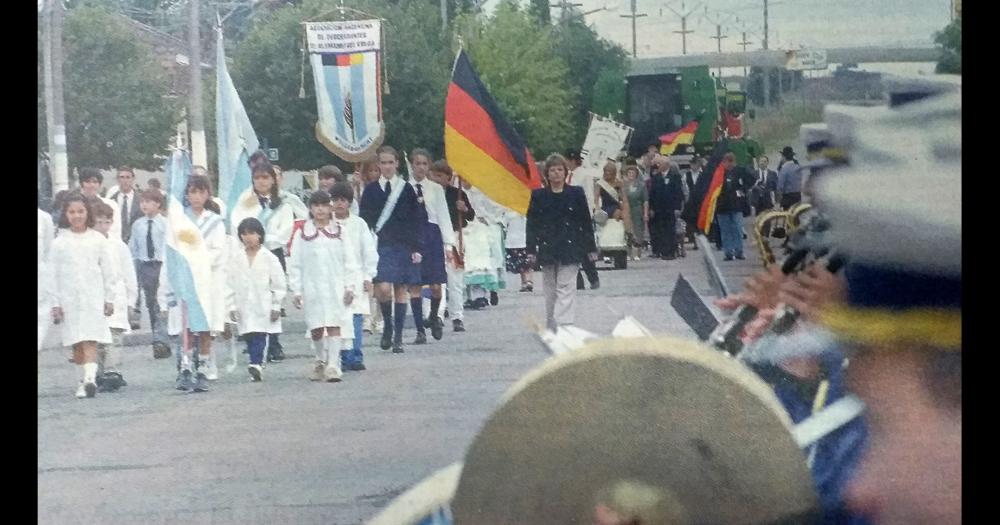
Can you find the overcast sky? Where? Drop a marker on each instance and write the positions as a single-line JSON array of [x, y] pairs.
[[795, 23]]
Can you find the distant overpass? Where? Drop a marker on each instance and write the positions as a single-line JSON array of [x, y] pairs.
[[778, 58]]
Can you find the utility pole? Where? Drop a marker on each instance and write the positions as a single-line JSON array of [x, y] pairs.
[[684, 30], [718, 40], [199, 149], [444, 15], [744, 44], [564, 7], [765, 25], [55, 118], [633, 16]]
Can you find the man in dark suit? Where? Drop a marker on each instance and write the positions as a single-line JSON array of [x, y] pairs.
[[127, 198], [666, 196], [559, 235], [763, 191]]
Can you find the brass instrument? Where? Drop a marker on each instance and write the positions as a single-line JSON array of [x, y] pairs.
[[795, 214], [763, 220]]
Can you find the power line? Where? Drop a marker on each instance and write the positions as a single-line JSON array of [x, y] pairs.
[[684, 30]]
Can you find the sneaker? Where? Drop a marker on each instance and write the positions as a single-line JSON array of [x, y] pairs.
[[457, 325], [110, 382], [437, 328], [728, 258], [386, 342], [595, 285], [201, 383], [211, 371], [480, 303], [530, 286], [332, 374], [421, 339], [256, 373], [184, 381], [357, 367], [317, 371], [277, 355], [161, 350], [397, 347], [741, 257], [81, 392], [494, 298]]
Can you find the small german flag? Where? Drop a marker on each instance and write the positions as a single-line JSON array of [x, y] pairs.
[[700, 209], [481, 146], [685, 135]]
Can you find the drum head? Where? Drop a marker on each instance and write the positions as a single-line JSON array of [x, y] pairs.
[[425, 502], [661, 429]]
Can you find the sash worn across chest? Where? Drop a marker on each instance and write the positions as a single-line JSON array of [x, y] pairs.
[[390, 203]]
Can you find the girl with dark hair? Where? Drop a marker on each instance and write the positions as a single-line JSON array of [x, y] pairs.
[[263, 201], [322, 276], [199, 207], [258, 284], [359, 239], [83, 288]]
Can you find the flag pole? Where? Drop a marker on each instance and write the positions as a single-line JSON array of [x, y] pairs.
[[460, 260]]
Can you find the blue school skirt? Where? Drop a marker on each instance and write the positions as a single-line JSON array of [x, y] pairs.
[[396, 266], [432, 269]]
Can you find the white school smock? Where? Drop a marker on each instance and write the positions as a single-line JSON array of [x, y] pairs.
[[258, 288], [437, 209], [126, 285], [364, 244], [84, 281], [46, 234], [320, 269], [277, 223]]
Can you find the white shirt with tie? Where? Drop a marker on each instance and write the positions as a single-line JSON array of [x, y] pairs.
[[437, 208]]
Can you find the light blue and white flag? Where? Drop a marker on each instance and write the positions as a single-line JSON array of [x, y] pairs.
[[235, 137], [189, 267], [346, 60]]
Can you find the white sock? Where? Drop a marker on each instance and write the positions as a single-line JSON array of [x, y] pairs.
[[320, 349], [333, 342], [186, 360], [81, 372], [89, 372]]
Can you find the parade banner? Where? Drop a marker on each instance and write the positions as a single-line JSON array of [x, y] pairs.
[[605, 139], [346, 59]]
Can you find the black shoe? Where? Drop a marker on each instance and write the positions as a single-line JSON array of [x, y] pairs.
[[201, 383], [457, 325], [277, 355], [695, 247], [668, 257], [110, 382], [480, 303], [397, 347], [595, 285], [740, 257], [437, 328], [283, 313], [357, 367], [728, 258], [421, 339], [386, 342], [184, 381], [494, 298]]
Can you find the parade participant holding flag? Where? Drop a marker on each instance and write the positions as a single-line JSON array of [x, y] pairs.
[[461, 212], [389, 206]]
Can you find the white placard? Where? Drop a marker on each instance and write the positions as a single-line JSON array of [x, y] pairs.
[[605, 139], [350, 36], [803, 59]]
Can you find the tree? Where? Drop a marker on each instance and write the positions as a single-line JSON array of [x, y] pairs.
[[590, 58], [950, 41], [115, 94], [514, 58], [540, 11], [267, 68]]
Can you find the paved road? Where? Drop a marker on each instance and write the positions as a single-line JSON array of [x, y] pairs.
[[288, 450]]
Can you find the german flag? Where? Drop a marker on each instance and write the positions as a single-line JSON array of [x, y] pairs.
[[481, 145], [700, 209], [685, 135]]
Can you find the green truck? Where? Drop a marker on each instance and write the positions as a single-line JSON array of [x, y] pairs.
[[665, 100]]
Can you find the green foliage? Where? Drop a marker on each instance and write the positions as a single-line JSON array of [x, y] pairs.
[[609, 94], [540, 11], [950, 41], [114, 93], [589, 57], [514, 58], [267, 68]]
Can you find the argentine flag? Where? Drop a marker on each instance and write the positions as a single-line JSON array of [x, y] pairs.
[[189, 265], [235, 137]]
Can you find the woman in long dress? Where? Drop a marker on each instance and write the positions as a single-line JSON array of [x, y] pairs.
[[638, 200]]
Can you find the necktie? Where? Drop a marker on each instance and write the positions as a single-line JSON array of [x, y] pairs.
[[263, 201], [125, 216], [420, 191], [150, 252], [388, 187]]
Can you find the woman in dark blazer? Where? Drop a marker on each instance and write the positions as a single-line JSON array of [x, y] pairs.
[[560, 235]]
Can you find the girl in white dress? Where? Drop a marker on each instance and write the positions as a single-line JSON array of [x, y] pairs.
[[202, 210], [258, 285], [323, 275], [109, 357], [263, 201], [362, 243], [83, 291]]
